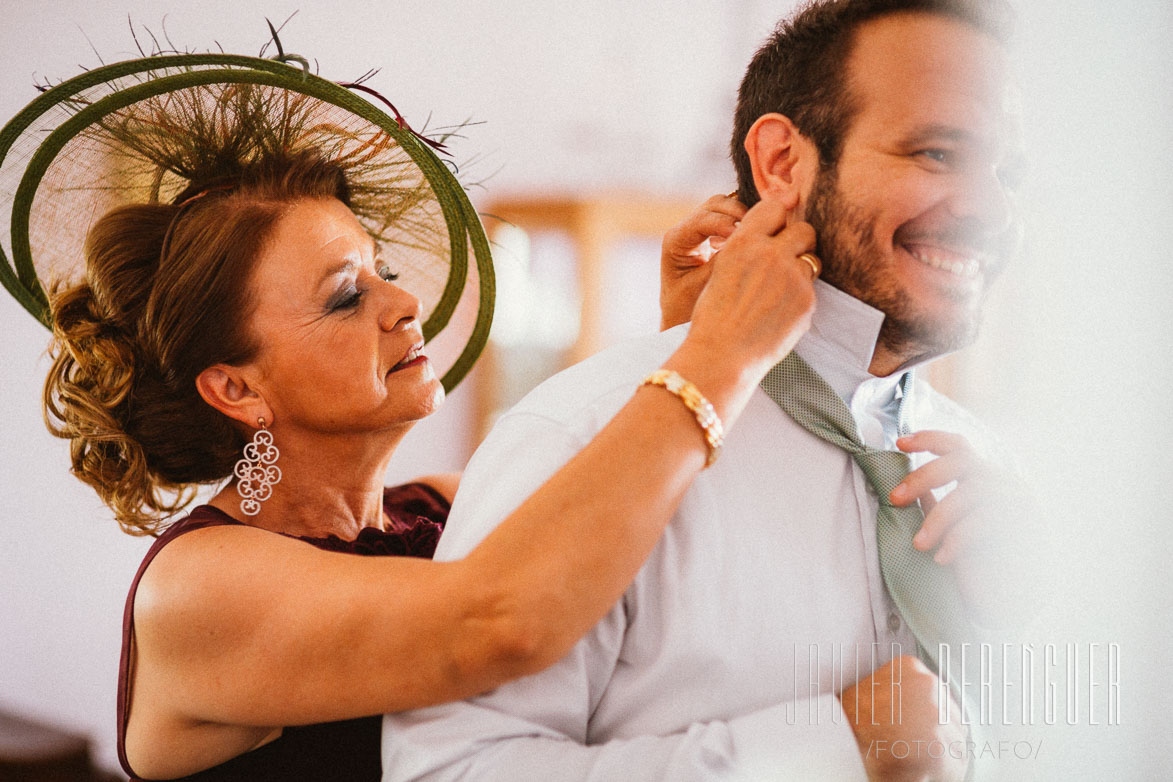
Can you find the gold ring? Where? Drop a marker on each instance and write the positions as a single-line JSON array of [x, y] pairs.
[[815, 264], [732, 194]]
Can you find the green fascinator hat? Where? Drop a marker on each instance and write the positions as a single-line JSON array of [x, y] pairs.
[[150, 130]]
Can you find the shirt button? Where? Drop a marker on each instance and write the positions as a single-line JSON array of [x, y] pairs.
[[893, 622]]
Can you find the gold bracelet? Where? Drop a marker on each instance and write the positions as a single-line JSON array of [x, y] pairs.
[[694, 400]]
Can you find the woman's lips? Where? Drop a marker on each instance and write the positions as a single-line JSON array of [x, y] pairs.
[[414, 357]]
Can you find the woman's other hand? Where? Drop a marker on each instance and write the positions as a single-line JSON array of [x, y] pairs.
[[685, 253], [759, 297]]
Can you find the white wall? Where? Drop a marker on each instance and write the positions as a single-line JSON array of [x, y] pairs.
[[607, 94]]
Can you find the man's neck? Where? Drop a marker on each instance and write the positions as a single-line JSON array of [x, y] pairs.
[[888, 358], [885, 361]]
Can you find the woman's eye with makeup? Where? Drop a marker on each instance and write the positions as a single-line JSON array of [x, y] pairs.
[[387, 275], [345, 299]]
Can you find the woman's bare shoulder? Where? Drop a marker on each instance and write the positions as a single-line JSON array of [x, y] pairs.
[[200, 575], [445, 483]]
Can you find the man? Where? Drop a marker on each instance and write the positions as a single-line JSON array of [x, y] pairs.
[[743, 649]]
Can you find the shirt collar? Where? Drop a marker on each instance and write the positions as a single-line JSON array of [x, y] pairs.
[[841, 341]]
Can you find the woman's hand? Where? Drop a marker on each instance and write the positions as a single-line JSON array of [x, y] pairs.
[[757, 304], [685, 254]]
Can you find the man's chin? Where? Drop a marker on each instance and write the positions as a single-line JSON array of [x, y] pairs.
[[922, 340]]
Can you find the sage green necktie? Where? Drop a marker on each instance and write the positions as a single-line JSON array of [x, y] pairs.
[[924, 592]]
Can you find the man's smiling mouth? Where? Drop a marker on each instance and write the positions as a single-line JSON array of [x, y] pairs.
[[959, 264]]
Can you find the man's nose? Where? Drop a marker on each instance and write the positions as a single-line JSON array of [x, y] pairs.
[[983, 197]]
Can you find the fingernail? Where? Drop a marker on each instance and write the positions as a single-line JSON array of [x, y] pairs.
[[921, 540], [898, 492]]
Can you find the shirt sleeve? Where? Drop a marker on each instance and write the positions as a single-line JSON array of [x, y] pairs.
[[537, 728]]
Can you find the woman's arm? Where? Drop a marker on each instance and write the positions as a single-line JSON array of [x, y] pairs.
[[245, 628]]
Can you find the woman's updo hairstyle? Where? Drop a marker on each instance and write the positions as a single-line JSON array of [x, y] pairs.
[[165, 296]]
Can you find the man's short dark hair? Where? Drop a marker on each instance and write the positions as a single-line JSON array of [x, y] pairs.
[[800, 71]]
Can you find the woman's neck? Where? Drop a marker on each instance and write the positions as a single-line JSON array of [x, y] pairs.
[[329, 486]]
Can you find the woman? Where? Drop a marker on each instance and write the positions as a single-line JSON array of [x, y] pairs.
[[256, 305]]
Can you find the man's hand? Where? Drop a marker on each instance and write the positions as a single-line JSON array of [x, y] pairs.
[[894, 713], [685, 253], [978, 527]]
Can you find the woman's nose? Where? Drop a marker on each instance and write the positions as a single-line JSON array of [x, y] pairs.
[[398, 308]]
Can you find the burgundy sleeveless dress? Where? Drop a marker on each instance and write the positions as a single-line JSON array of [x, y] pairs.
[[346, 750]]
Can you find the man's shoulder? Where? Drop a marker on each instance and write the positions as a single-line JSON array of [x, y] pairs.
[[601, 383], [543, 431]]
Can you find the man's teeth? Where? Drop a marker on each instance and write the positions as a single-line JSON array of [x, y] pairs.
[[962, 268]]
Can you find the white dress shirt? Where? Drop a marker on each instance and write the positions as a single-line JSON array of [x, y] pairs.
[[762, 601]]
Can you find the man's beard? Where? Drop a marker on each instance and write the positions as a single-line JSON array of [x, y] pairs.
[[854, 263]]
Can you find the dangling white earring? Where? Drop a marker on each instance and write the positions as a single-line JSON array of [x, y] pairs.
[[257, 471]]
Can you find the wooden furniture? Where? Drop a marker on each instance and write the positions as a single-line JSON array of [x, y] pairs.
[[595, 227]]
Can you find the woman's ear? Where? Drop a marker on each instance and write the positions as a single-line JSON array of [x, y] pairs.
[[784, 162], [227, 389]]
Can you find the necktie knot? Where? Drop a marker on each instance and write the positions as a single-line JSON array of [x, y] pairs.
[[884, 470]]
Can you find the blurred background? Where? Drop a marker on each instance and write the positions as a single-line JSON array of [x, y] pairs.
[[599, 124]]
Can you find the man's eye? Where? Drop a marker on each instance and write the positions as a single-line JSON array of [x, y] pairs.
[[938, 155], [387, 275]]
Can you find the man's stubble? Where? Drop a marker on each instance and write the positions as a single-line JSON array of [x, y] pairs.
[[854, 263]]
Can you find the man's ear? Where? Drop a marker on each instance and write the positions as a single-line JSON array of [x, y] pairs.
[[784, 162], [227, 389]]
